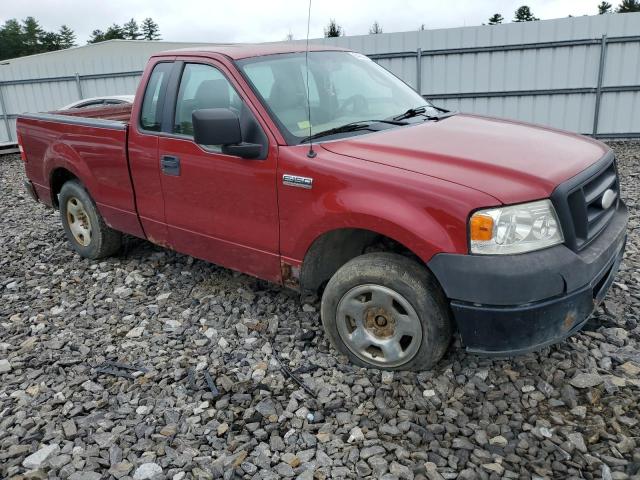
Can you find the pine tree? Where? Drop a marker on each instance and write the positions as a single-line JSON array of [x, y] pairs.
[[131, 30], [524, 14], [628, 6], [67, 37], [96, 36], [375, 28], [333, 30], [114, 32], [496, 19], [27, 38], [11, 41], [604, 7], [31, 35], [150, 30], [48, 42]]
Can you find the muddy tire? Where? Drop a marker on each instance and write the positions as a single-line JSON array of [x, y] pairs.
[[83, 225], [385, 311]]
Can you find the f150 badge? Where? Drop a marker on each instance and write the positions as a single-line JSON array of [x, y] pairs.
[[296, 181]]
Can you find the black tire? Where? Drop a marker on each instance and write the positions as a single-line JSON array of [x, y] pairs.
[[103, 241], [389, 272]]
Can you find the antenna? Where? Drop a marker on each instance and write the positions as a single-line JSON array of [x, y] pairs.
[[310, 153]]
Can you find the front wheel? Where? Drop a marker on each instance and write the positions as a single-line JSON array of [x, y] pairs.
[[83, 225], [383, 310]]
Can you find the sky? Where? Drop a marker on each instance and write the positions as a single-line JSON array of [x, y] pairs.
[[273, 20]]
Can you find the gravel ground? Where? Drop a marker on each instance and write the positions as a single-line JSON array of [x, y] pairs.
[[68, 326]]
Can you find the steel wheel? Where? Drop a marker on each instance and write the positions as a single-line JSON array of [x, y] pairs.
[[78, 221], [379, 325]]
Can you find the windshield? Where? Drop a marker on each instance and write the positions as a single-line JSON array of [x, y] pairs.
[[344, 87]]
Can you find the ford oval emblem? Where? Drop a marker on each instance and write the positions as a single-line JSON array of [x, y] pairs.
[[608, 197]]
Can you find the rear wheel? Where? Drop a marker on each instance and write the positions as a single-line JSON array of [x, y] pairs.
[[83, 225], [386, 311]]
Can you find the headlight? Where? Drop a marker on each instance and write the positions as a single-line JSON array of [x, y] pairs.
[[515, 229]]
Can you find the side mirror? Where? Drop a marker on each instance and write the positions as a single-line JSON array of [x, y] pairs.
[[221, 126], [216, 126]]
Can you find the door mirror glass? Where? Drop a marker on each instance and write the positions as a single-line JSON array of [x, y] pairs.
[[216, 126]]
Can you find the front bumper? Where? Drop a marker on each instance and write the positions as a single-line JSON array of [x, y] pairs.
[[510, 304]]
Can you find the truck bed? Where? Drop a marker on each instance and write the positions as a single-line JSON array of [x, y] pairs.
[[90, 144], [120, 113]]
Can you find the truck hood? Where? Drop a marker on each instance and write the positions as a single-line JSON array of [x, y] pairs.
[[513, 162]]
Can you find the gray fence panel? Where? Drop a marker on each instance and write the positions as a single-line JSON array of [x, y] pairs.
[[48, 81], [110, 86], [552, 72], [545, 72]]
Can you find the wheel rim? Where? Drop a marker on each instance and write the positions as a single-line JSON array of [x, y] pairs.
[[78, 221], [379, 325]]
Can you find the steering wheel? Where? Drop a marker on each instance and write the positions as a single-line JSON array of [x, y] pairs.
[[354, 104]]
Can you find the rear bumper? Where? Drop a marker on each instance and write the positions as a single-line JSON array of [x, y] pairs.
[[512, 304]]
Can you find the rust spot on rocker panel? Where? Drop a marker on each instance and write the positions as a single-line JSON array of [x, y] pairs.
[[290, 275], [159, 242], [569, 320]]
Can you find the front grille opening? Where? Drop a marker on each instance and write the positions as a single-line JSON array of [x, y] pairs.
[[588, 214], [601, 283]]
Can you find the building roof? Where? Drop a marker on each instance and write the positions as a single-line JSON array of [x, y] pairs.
[[238, 51]]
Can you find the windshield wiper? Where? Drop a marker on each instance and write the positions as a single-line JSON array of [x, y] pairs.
[[351, 127], [414, 112], [442, 116]]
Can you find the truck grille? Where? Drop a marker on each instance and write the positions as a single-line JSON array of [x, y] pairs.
[[586, 203]]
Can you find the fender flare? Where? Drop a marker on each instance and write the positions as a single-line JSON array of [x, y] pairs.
[[60, 155], [344, 235]]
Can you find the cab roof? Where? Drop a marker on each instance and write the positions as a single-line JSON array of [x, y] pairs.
[[238, 51]]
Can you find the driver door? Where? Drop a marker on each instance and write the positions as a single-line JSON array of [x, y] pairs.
[[218, 207]]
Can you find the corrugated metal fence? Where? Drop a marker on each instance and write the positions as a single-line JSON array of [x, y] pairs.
[[51, 80], [581, 74]]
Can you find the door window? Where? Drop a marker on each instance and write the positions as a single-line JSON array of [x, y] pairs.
[[202, 86], [151, 113]]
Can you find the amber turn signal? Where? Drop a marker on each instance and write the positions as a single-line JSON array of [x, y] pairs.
[[481, 227]]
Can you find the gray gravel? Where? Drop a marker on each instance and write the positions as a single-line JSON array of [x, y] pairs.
[[569, 411]]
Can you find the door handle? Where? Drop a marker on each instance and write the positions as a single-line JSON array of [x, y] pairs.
[[170, 165]]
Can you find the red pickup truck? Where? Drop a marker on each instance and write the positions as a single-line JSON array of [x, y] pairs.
[[332, 176]]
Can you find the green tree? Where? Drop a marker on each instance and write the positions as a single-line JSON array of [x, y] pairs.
[[628, 6], [150, 30], [27, 38], [333, 30], [11, 44], [524, 14], [67, 37], [31, 35], [96, 36], [604, 7], [131, 30], [496, 19], [375, 29], [114, 32], [49, 42]]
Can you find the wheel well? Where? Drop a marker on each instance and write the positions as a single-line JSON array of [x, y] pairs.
[[58, 178], [335, 248]]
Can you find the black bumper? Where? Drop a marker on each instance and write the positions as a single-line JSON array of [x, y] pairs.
[[511, 304]]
